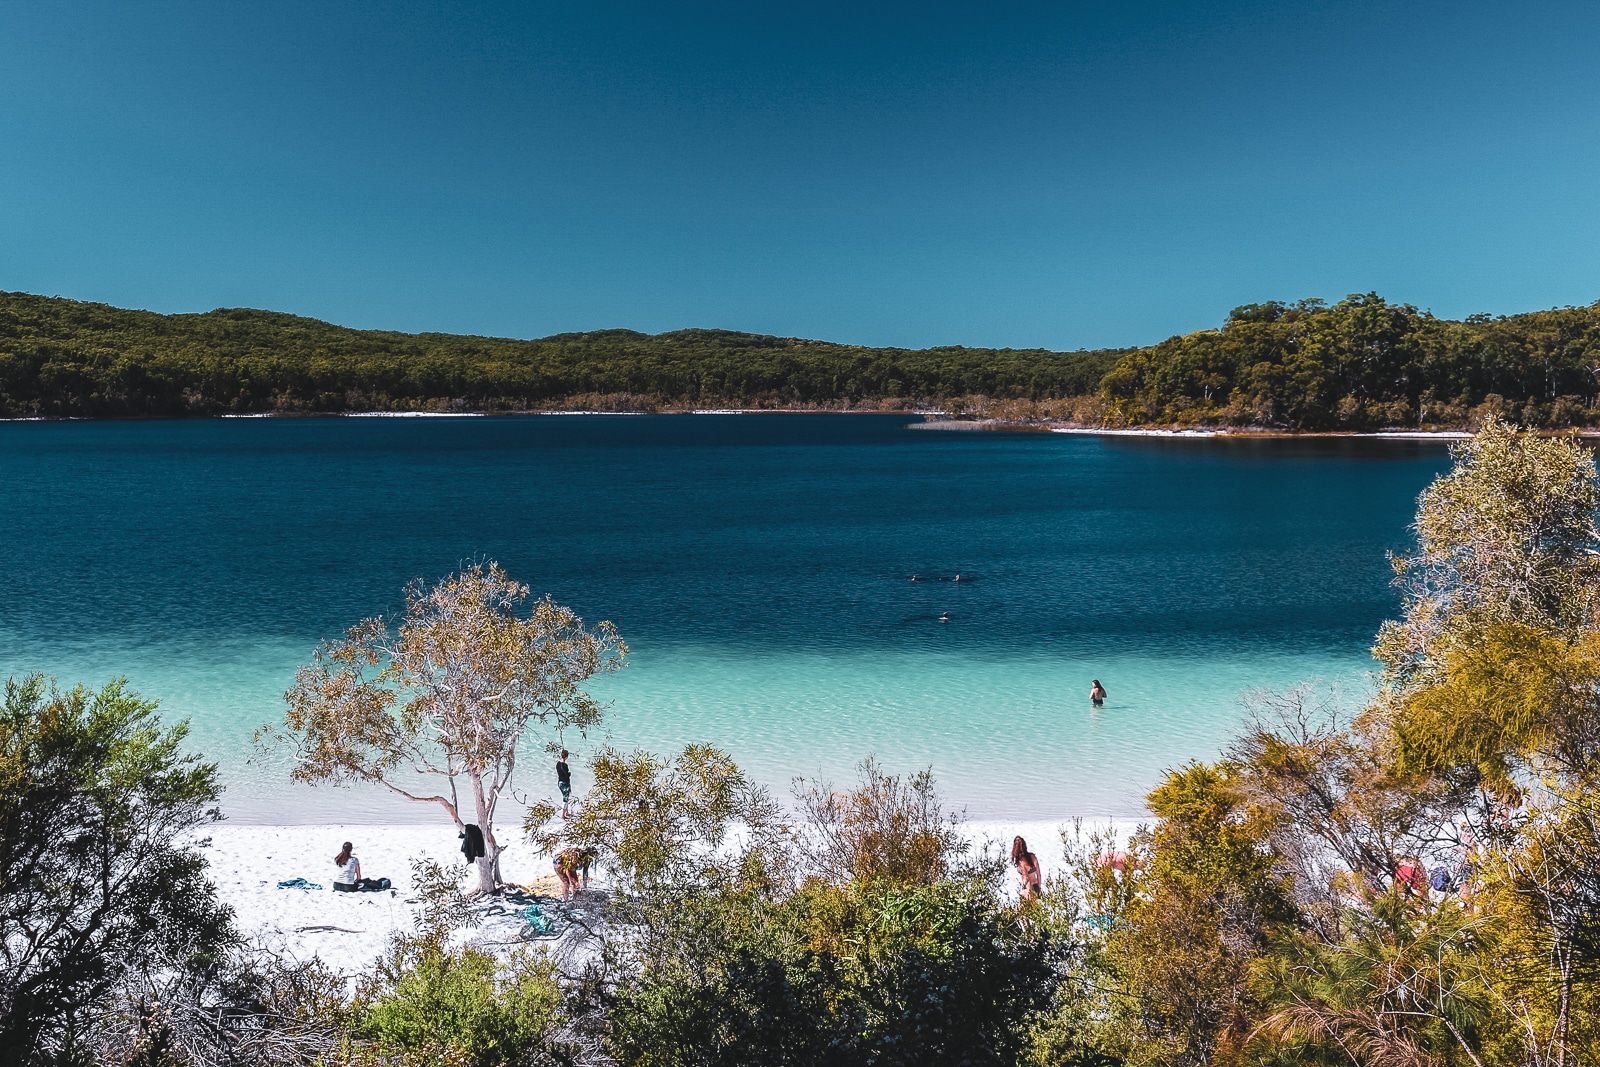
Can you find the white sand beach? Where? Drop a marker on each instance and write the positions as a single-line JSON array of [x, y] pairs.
[[349, 930]]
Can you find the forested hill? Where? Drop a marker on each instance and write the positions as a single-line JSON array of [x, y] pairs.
[[65, 357], [1364, 363]]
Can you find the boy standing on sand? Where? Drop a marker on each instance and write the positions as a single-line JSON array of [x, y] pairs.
[[564, 780]]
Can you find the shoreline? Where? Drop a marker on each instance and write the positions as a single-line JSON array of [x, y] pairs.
[[349, 931], [934, 420]]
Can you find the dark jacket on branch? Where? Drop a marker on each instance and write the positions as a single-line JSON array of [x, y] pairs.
[[472, 842]]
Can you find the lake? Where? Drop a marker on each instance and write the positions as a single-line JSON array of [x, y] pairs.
[[758, 565]]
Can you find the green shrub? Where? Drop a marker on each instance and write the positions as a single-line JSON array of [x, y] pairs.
[[436, 1006]]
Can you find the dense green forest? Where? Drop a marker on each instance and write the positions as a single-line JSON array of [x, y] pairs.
[[1364, 363], [1359, 364], [64, 357]]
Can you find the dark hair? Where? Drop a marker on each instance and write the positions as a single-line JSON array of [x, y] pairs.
[[563, 753], [1097, 681], [1019, 849], [344, 856]]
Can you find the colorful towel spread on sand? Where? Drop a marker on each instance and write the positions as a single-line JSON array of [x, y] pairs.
[[542, 925], [298, 883]]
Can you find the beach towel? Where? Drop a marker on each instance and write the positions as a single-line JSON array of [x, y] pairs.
[[298, 883], [540, 924]]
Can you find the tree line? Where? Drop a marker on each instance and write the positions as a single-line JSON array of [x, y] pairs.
[[1412, 881], [68, 358], [1364, 363], [1359, 364]]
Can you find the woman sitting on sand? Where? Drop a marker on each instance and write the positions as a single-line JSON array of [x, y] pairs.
[[349, 879], [1027, 869]]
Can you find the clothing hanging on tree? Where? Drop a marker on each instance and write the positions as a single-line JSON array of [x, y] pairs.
[[472, 842]]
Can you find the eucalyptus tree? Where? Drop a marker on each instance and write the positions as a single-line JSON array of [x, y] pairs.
[[434, 710]]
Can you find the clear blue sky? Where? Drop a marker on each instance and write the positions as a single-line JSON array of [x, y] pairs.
[[1055, 174]]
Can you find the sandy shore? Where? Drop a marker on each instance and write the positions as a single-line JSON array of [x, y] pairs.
[[350, 930]]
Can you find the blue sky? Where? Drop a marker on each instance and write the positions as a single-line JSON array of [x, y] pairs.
[[1056, 175]]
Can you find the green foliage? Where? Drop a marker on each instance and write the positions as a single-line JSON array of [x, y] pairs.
[[867, 934], [99, 882], [63, 357], [430, 1005], [846, 974], [660, 821], [1364, 363], [1401, 987], [1208, 894], [457, 1007]]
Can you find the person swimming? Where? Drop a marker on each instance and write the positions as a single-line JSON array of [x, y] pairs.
[[1097, 695], [944, 616]]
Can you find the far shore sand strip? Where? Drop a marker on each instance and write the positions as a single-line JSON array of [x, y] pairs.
[[350, 930]]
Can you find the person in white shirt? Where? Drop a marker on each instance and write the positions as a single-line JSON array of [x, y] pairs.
[[348, 879]]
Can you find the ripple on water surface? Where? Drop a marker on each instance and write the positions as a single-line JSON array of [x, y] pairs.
[[759, 566]]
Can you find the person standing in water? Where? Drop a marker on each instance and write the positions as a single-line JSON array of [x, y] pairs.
[[1097, 695], [564, 780]]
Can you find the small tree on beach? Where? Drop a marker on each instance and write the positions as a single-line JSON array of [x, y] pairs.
[[439, 707]]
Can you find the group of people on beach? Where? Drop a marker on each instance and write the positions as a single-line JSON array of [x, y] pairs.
[[572, 864]]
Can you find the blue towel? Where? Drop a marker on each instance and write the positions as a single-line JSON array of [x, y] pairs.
[[298, 883], [542, 924]]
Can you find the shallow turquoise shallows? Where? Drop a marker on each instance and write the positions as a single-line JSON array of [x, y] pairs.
[[759, 566]]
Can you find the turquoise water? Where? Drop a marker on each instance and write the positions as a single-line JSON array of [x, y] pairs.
[[759, 566]]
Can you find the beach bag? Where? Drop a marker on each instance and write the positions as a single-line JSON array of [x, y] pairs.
[[1440, 879], [540, 924]]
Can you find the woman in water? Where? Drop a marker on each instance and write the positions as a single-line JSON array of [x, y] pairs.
[[1027, 869], [1097, 695]]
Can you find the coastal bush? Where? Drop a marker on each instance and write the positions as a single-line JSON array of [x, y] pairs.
[[866, 933], [1416, 883], [102, 888], [432, 1005]]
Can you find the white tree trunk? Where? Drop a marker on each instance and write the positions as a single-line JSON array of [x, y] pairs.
[[489, 862]]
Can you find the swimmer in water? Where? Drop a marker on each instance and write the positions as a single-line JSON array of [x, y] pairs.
[[944, 616], [957, 578], [1097, 695]]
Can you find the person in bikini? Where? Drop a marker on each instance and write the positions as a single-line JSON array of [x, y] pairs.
[[570, 863], [1027, 865]]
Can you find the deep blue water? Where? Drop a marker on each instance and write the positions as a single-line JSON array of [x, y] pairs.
[[759, 566]]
